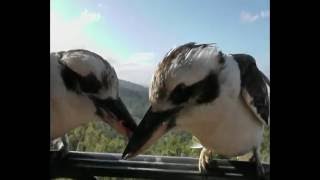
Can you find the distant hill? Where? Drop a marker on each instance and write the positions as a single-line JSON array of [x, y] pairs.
[[135, 97], [132, 86]]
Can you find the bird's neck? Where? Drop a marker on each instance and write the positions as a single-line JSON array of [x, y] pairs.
[[69, 112], [200, 120]]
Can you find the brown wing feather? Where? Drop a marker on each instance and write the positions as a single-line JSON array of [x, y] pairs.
[[254, 89]]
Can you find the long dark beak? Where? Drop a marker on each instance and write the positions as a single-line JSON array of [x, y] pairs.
[[115, 113], [151, 128]]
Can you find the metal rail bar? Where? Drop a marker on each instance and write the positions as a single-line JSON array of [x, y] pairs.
[[85, 164]]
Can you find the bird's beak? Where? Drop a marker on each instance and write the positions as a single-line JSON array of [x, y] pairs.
[[151, 128], [117, 116]]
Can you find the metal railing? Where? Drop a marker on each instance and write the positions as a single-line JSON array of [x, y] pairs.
[[85, 165]]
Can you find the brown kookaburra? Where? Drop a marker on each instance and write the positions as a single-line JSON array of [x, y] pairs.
[[84, 87], [222, 99]]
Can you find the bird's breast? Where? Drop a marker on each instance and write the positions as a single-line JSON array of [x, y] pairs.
[[226, 126]]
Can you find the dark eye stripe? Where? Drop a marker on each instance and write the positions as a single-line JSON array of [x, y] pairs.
[[73, 80], [206, 91], [180, 94], [209, 89], [90, 84]]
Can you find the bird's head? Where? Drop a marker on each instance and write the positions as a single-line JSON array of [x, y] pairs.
[[187, 77], [94, 80]]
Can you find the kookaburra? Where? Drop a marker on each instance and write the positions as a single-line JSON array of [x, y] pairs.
[[84, 87], [222, 99]]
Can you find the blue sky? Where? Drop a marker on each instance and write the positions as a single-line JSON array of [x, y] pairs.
[[134, 35]]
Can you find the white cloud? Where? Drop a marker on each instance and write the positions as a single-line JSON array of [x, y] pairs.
[[265, 14], [135, 72], [143, 56], [89, 17], [248, 17], [70, 34], [66, 34], [139, 68]]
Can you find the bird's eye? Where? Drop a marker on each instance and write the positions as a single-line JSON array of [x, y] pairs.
[[221, 58], [180, 94]]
